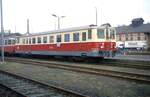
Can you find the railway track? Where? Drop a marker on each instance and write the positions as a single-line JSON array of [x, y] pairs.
[[90, 70], [26, 87], [127, 63]]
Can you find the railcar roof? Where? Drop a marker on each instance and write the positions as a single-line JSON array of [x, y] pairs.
[[64, 30]]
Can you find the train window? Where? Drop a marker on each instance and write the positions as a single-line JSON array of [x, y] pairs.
[[58, 38], [107, 34], [90, 34], [112, 34], [67, 38], [6, 42], [9, 42], [17, 40], [45, 39], [100, 33], [39, 40], [13, 41], [33, 40], [83, 36], [51, 39], [29, 40], [75, 36], [23, 41]]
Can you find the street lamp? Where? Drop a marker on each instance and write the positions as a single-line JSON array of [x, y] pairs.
[[96, 15], [58, 17], [2, 34]]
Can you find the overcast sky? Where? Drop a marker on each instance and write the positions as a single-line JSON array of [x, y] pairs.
[[77, 12]]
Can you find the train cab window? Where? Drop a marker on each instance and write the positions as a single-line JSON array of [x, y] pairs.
[[112, 34], [45, 39], [29, 40], [51, 39], [67, 38], [75, 36], [83, 36], [107, 34], [100, 33], [58, 38], [90, 34], [39, 40], [33, 40]]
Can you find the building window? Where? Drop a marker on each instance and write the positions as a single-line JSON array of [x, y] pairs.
[[67, 38], [51, 39], [39, 40], [33, 40], [75, 36], [83, 36], [120, 37], [89, 33], [126, 37], [45, 39], [139, 38], [58, 38], [100, 33], [145, 37], [131, 37]]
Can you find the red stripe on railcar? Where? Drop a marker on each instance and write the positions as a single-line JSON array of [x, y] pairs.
[[87, 46]]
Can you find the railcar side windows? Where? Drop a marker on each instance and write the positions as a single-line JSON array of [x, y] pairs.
[[6, 42], [39, 40], [17, 40], [51, 39], [45, 39], [29, 40], [13, 41], [9, 42], [58, 38], [75, 36], [83, 36], [23, 41], [67, 38], [89, 33], [100, 33], [33, 40]]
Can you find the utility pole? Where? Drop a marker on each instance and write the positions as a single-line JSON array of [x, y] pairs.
[[2, 34], [28, 28], [96, 15]]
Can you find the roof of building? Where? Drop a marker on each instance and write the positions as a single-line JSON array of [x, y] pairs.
[[10, 34], [140, 28]]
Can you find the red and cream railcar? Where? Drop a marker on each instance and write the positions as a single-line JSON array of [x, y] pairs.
[[87, 41]]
